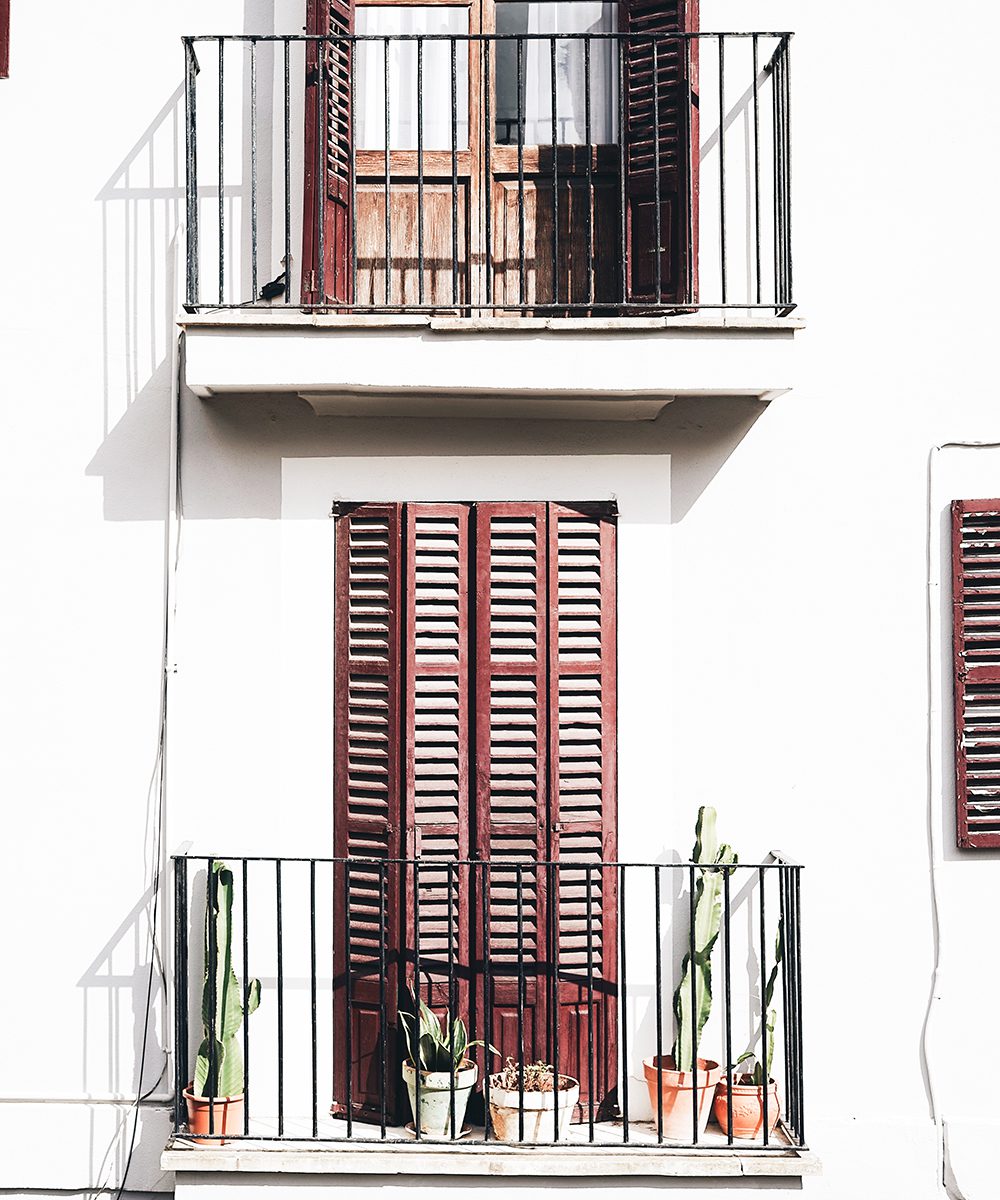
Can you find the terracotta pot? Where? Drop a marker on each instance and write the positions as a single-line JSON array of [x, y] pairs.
[[676, 1088], [748, 1108], [538, 1108], [227, 1117], [435, 1097]]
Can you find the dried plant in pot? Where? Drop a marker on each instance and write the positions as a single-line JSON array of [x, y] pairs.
[[529, 1102], [676, 1090], [438, 1073], [747, 1089], [214, 1097]]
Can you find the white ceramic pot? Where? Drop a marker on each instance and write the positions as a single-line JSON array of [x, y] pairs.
[[435, 1098], [538, 1108]]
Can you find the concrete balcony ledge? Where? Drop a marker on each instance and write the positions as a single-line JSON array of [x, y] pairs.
[[617, 368]]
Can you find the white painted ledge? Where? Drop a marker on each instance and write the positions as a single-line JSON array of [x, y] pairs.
[[564, 368], [307, 1158]]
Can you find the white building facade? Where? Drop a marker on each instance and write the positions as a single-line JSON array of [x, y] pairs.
[[648, 415]]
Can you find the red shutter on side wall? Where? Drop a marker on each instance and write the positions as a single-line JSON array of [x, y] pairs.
[[4, 38], [661, 122], [976, 649], [326, 268], [366, 796], [583, 786]]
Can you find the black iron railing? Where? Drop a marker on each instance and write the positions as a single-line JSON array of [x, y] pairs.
[[573, 964], [515, 173]]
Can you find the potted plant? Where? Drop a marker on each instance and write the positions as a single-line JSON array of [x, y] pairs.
[[523, 1102], [670, 1079], [215, 1095], [437, 1069], [748, 1087]]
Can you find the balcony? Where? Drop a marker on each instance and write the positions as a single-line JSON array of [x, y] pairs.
[[569, 963]]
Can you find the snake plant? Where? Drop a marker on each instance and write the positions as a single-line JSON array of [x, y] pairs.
[[691, 1011], [438, 1048], [767, 1033], [223, 1008]]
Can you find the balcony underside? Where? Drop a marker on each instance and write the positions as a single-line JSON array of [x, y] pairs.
[[621, 369]]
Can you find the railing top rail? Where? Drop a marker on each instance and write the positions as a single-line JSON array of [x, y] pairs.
[[190, 39], [495, 864]]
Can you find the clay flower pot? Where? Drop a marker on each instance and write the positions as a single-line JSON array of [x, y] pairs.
[[226, 1118], [678, 1093], [435, 1097], [748, 1107], [538, 1108]]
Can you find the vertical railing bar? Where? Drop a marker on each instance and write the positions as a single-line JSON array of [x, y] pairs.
[[452, 900], [656, 172], [555, 173], [420, 170], [281, 999], [253, 167], [352, 128], [519, 878], [722, 165], [554, 908], [191, 171], [488, 179], [786, 77], [388, 174], [590, 1002], [692, 151], [312, 996], [623, 991], [695, 1106], [322, 149], [487, 996], [180, 989], [212, 1082], [348, 1002], [801, 1126], [416, 993], [520, 175], [246, 976], [382, 1014], [776, 173], [288, 168], [761, 877], [756, 166], [786, 1023], [591, 199], [659, 1006], [728, 988], [222, 188], [454, 173], [622, 172]]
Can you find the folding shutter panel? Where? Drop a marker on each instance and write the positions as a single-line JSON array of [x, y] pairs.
[[436, 721], [582, 770], [366, 801], [661, 150], [511, 751], [326, 228], [976, 637]]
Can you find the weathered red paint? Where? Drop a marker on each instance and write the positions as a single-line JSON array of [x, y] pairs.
[[4, 38]]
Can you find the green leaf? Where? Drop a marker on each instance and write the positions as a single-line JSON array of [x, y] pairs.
[[253, 996]]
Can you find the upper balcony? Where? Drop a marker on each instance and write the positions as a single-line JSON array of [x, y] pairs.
[[499, 167]]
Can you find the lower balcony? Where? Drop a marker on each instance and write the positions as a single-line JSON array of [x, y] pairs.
[[578, 964]]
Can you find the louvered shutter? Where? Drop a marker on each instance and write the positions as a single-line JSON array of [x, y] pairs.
[[661, 142], [511, 760], [366, 798], [326, 229], [436, 723], [583, 775], [976, 643]]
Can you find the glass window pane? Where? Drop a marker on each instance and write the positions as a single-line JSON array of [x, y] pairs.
[[557, 17], [403, 101]]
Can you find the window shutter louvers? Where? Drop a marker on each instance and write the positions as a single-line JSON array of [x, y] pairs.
[[661, 142], [326, 233], [366, 791], [976, 650]]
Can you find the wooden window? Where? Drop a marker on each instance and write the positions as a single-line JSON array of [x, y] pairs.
[[475, 720], [4, 38], [976, 649]]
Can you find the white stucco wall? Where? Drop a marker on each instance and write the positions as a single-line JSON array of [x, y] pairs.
[[785, 627]]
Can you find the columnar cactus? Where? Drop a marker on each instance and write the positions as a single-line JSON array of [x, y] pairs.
[[707, 922], [221, 1074]]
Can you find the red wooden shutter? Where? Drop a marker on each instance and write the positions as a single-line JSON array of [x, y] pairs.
[[326, 229], [976, 642], [661, 123], [583, 778], [4, 38], [366, 797], [436, 722], [511, 753]]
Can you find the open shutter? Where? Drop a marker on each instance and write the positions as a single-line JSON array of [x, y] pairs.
[[511, 752], [661, 151], [436, 723], [976, 641], [326, 228], [366, 801], [583, 777]]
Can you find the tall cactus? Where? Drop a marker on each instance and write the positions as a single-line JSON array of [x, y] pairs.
[[221, 1073], [707, 922]]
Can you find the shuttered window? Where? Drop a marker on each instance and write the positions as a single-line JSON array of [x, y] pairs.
[[4, 38], [976, 642], [475, 720]]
